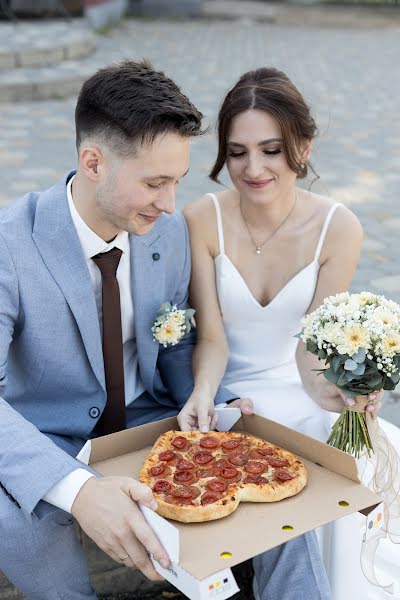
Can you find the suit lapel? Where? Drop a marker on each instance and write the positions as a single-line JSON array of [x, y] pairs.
[[57, 241], [148, 290]]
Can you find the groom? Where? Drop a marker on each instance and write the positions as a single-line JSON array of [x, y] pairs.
[[84, 268]]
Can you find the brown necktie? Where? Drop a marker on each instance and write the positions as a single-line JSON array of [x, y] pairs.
[[113, 417]]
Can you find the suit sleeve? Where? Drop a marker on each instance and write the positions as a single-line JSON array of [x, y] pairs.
[[175, 362], [30, 463]]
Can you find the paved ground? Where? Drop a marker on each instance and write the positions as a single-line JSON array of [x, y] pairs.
[[348, 74]]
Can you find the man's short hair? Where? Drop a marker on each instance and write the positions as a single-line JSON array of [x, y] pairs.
[[129, 104]]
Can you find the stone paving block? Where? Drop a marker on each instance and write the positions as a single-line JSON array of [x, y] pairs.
[[7, 60], [39, 57], [80, 48]]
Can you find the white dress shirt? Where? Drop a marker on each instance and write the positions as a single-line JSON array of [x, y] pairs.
[[65, 491]]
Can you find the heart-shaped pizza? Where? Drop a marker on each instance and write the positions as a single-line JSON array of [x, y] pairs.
[[203, 476]]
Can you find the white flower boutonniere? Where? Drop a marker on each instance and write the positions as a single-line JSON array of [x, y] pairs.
[[171, 324]]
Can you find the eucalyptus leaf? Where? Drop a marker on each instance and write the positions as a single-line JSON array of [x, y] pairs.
[[331, 376], [360, 356], [350, 365], [335, 363], [360, 370], [395, 377]]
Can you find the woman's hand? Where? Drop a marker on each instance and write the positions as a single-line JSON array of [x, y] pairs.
[[374, 405], [198, 413]]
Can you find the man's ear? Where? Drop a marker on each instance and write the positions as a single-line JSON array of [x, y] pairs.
[[91, 162]]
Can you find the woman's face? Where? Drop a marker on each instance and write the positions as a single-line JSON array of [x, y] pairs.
[[255, 159]]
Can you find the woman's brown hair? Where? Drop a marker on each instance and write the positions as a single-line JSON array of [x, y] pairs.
[[271, 90]]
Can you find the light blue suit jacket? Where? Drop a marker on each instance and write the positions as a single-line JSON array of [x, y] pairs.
[[51, 363]]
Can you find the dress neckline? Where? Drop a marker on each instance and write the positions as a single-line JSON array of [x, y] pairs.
[[281, 291]]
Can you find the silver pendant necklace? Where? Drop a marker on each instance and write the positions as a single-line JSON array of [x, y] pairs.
[[259, 247]]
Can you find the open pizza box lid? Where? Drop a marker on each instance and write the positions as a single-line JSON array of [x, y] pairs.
[[202, 553]]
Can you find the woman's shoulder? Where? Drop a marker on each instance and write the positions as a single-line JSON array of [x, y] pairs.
[[343, 229], [203, 209], [342, 219]]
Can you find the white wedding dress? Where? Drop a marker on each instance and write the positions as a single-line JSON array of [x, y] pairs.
[[262, 366]]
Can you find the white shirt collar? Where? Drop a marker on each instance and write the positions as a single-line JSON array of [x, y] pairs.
[[91, 243]]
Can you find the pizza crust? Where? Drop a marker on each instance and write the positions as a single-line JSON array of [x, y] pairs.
[[271, 491]]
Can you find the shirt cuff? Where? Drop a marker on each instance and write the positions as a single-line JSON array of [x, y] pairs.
[[65, 491]]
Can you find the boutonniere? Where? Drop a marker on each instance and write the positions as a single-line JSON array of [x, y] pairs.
[[171, 324]]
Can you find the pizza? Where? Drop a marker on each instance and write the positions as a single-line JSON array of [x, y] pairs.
[[198, 476]]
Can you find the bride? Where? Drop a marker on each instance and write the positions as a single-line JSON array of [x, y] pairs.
[[264, 254]]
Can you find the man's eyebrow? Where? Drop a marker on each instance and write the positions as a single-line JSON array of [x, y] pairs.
[[166, 177], [237, 145]]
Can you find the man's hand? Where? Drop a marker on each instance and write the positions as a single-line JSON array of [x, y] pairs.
[[106, 509]]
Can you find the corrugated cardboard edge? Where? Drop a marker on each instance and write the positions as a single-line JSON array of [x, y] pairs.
[[124, 442]]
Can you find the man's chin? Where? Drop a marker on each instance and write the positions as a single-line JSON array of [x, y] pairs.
[[141, 229]]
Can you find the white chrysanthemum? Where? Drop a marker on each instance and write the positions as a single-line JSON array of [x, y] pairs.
[[177, 316], [382, 315], [338, 299], [332, 333], [391, 345], [363, 298], [354, 338], [169, 332]]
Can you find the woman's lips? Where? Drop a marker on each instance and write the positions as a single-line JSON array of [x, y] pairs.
[[258, 184]]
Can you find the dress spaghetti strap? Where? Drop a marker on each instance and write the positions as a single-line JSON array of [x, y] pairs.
[[325, 229], [219, 223]]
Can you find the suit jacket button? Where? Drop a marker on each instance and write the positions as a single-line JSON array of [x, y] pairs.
[[156, 256], [94, 412]]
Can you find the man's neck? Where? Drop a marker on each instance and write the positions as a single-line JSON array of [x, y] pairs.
[[84, 199]]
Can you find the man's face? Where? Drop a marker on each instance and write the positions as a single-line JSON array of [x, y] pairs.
[[134, 192]]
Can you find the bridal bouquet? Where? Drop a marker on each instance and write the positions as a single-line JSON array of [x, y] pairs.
[[358, 337]]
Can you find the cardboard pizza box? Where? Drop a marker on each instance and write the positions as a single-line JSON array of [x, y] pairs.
[[203, 553]]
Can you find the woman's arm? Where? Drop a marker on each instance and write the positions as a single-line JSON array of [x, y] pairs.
[[211, 351], [339, 258]]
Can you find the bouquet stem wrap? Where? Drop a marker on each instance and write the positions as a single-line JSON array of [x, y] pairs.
[[385, 482]]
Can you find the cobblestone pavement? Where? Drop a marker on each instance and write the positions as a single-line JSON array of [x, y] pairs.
[[349, 76]]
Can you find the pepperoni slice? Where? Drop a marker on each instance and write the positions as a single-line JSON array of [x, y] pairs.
[[265, 451], [229, 473], [184, 477], [184, 465], [255, 467], [217, 486], [209, 442], [222, 463], [257, 479], [231, 444], [201, 473], [178, 501], [195, 491], [208, 498], [168, 455], [157, 469], [203, 458], [179, 442], [275, 461], [256, 455], [162, 486], [282, 475], [182, 492], [238, 458]]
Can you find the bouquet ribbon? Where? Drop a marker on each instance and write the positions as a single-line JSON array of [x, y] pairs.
[[385, 482]]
